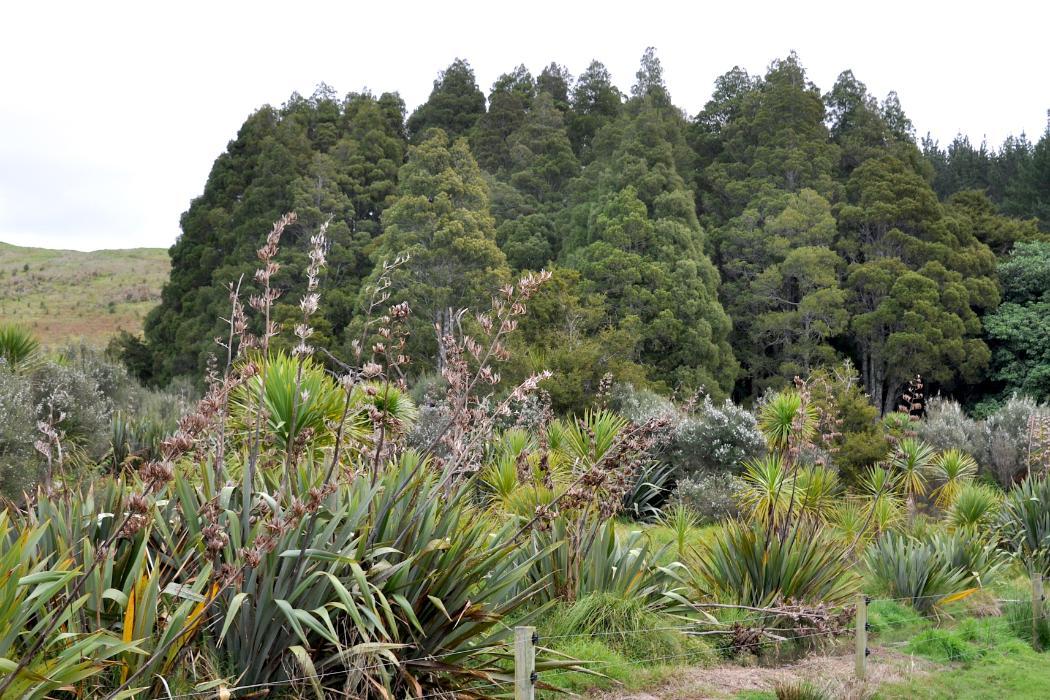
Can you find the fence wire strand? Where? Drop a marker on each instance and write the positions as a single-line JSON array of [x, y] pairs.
[[693, 629]]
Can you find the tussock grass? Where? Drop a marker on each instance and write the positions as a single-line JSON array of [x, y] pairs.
[[621, 640], [799, 690], [943, 645], [891, 620]]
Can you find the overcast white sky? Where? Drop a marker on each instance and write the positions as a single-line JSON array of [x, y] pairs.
[[111, 113]]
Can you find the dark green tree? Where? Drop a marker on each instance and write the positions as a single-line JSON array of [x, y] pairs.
[[1005, 178], [541, 161], [455, 104], [777, 140], [1031, 195], [918, 282], [779, 270], [329, 160], [556, 81], [724, 107], [907, 323], [636, 240], [862, 128], [441, 221], [509, 102], [801, 308], [976, 212], [595, 103], [1019, 330], [962, 167], [541, 166], [649, 80], [900, 126]]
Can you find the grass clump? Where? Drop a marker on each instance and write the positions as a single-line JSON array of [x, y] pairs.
[[627, 627], [944, 646], [799, 690], [891, 619], [1018, 617], [606, 668], [621, 640]]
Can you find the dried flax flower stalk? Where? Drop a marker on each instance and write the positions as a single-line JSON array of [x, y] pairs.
[[471, 375]]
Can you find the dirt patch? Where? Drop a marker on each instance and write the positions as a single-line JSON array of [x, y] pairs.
[[834, 673]]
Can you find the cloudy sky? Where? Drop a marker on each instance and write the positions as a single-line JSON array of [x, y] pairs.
[[111, 113]]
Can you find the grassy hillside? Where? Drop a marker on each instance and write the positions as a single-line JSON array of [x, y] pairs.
[[64, 295]]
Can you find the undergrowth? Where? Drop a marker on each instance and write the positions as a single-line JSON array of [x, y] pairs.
[[620, 640]]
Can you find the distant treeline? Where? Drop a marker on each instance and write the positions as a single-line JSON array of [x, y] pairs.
[[780, 229]]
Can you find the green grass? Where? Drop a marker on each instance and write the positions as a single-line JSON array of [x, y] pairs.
[[628, 646], [891, 621], [660, 536], [65, 295], [985, 658], [612, 669]]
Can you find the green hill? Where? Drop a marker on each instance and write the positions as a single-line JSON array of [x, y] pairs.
[[64, 295]]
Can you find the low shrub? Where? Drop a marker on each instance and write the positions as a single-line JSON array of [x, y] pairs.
[[706, 438], [71, 398], [712, 496], [946, 425], [998, 442], [18, 463], [100, 416], [715, 438], [1003, 439]]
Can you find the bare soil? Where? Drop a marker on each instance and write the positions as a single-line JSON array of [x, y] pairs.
[[834, 673]]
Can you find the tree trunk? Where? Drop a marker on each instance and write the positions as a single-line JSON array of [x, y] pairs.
[[890, 398], [442, 321]]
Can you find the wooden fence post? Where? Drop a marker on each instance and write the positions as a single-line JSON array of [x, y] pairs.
[[1037, 609], [861, 636], [524, 663]]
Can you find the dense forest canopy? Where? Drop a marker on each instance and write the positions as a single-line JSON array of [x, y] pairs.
[[780, 229]]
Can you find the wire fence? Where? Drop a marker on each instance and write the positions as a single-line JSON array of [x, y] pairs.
[[698, 627]]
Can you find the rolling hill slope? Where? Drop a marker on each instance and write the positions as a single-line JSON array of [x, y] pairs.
[[66, 295]]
